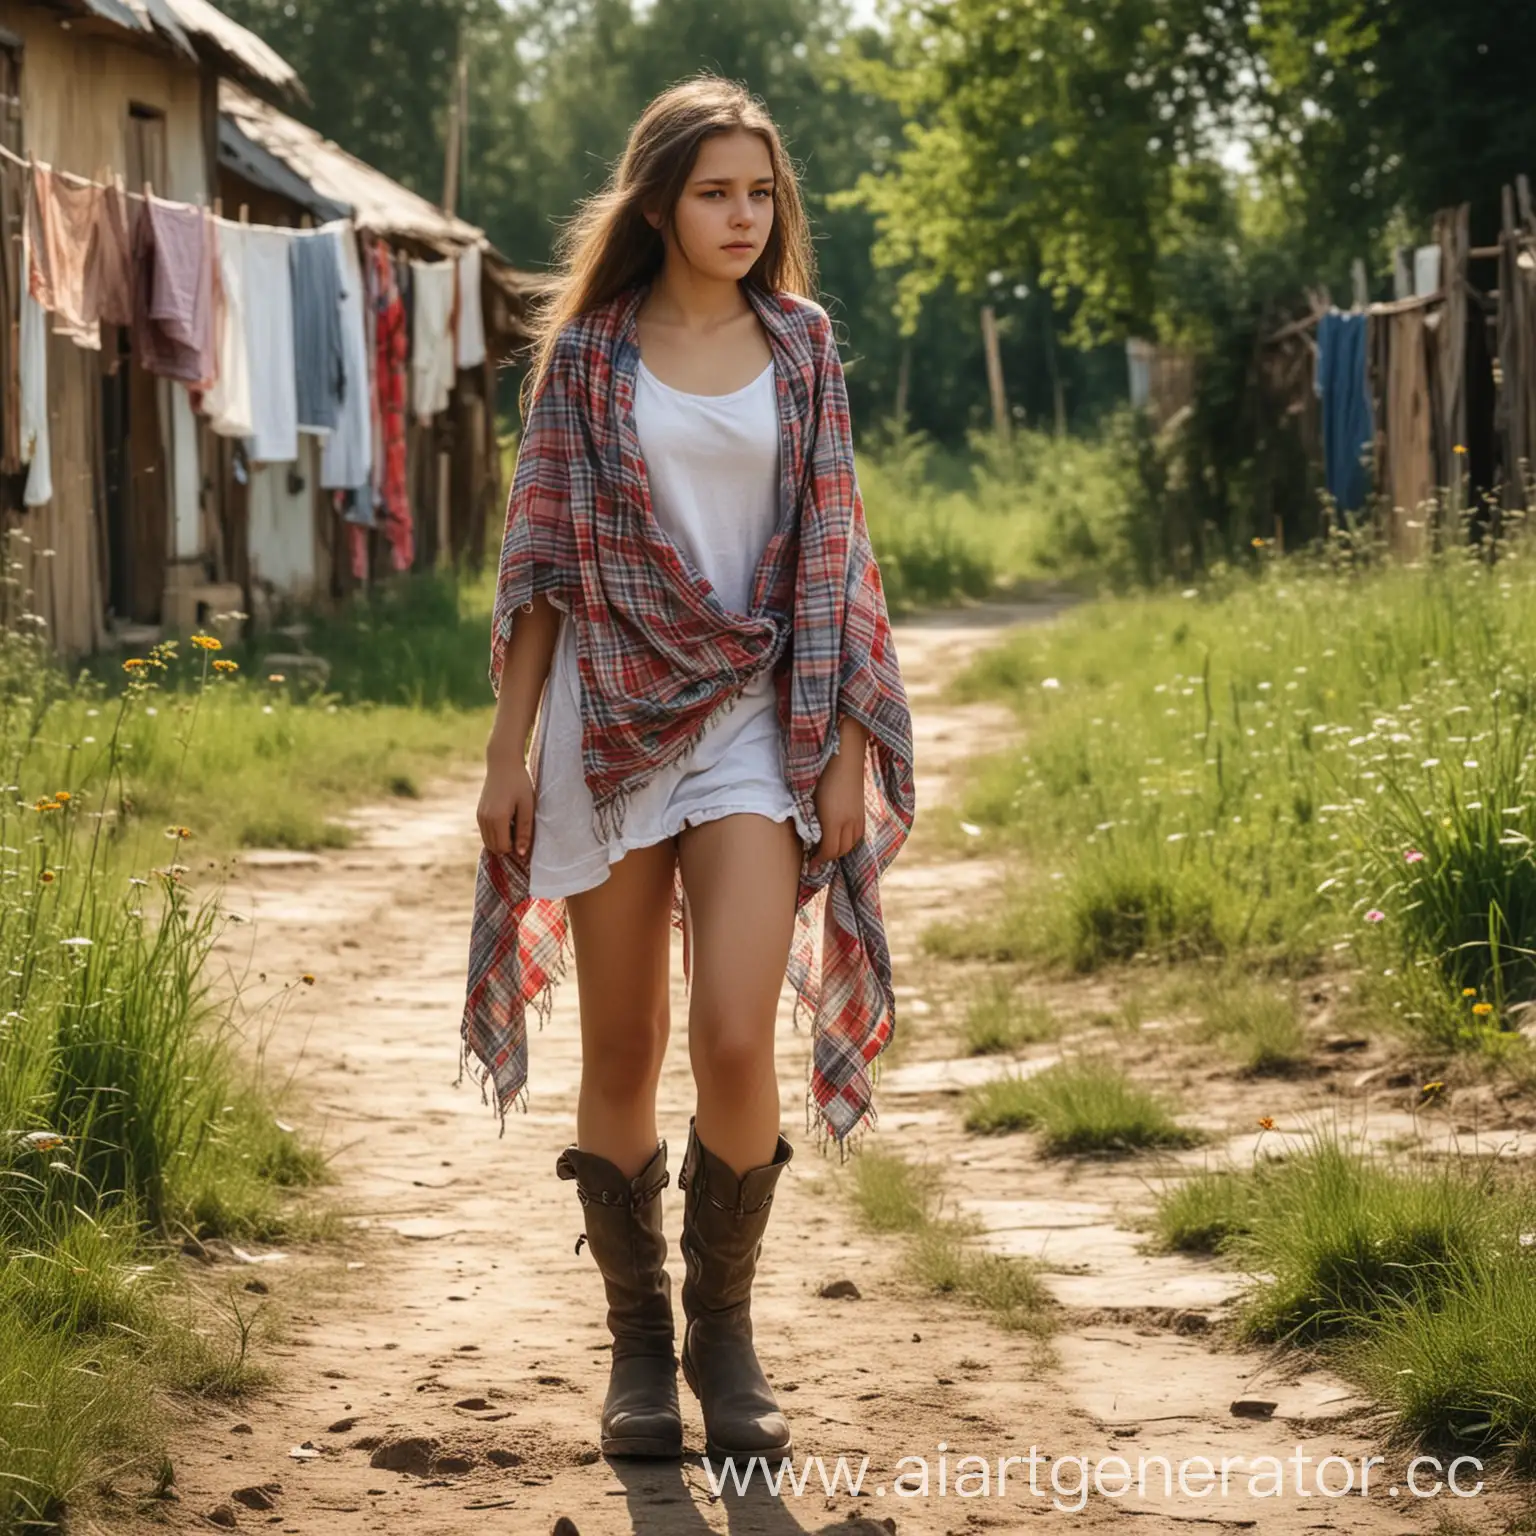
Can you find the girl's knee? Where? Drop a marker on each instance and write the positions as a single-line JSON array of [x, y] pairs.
[[727, 1060], [627, 1055]]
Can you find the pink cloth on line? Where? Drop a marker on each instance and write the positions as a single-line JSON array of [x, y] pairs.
[[62, 279], [174, 312]]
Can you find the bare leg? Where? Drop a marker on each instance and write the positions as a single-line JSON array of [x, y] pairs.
[[741, 874], [622, 935]]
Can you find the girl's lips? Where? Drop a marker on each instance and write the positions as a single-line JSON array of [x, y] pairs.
[[740, 245]]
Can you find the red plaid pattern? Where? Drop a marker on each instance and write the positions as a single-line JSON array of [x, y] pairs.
[[659, 657]]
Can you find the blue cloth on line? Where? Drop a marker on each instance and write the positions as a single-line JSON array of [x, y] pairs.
[[1349, 428]]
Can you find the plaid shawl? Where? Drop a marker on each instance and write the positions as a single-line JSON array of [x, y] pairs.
[[659, 658]]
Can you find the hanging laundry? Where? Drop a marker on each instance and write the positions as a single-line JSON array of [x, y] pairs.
[[1348, 429], [1427, 261], [269, 348], [228, 404], [60, 277], [346, 460], [471, 311], [433, 344], [36, 450], [319, 355], [113, 257], [391, 485], [174, 258]]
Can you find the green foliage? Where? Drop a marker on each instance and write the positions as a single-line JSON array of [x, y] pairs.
[[1086, 1104], [1294, 764], [999, 1022], [1416, 1281]]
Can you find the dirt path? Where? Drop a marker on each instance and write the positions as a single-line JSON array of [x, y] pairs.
[[463, 1344]]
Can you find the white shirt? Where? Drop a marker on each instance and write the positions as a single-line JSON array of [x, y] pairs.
[[712, 462]]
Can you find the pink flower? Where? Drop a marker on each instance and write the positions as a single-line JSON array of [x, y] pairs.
[[1413, 856], [1375, 915]]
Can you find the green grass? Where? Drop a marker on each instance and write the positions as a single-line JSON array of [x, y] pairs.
[[998, 1021], [1079, 1106], [406, 698], [1201, 1213], [134, 1112], [1255, 1022], [1293, 765], [892, 1194], [1415, 1279]]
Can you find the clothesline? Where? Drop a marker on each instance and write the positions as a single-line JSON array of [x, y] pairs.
[[274, 331], [27, 163]]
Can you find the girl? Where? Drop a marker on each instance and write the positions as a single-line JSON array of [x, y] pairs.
[[723, 743]]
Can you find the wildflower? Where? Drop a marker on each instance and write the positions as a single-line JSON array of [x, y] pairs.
[[207, 643], [41, 1141], [1375, 915], [308, 979], [276, 677], [178, 831], [1469, 991], [226, 666], [1482, 1010], [48, 877], [47, 805], [135, 665], [77, 943], [1051, 682], [1413, 856], [1266, 1122], [1460, 450], [1257, 543]]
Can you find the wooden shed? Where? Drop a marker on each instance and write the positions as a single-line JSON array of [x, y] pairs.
[[97, 87]]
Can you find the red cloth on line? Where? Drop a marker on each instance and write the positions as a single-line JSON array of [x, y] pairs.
[[392, 349]]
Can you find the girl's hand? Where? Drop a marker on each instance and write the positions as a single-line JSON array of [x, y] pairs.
[[506, 806], [840, 796]]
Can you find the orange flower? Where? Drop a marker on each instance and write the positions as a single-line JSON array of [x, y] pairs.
[[308, 979], [1266, 1122], [63, 796], [48, 877], [207, 643], [226, 666], [135, 664], [1482, 1010]]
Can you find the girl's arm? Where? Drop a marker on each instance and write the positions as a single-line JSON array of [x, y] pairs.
[[840, 794], [506, 801]]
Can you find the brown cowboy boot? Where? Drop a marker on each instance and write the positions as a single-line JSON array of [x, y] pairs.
[[723, 1222], [641, 1416]]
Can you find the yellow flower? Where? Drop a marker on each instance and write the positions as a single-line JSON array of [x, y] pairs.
[[308, 979], [207, 643], [1257, 543], [226, 666], [1482, 1010], [44, 806], [1460, 450], [48, 877], [135, 664], [1469, 991], [1266, 1122], [63, 796]]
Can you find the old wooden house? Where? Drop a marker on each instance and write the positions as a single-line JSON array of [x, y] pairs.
[[154, 522]]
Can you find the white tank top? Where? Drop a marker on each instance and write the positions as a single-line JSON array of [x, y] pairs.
[[713, 466]]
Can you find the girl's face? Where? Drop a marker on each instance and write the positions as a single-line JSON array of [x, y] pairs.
[[725, 213]]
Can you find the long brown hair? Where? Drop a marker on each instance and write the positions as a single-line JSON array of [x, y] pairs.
[[610, 246]]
